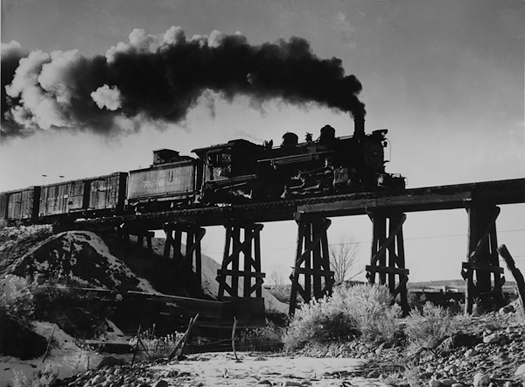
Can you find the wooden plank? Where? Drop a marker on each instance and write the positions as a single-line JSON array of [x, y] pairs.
[[235, 256], [309, 243], [176, 299], [240, 273], [167, 243], [385, 269], [225, 262], [258, 267], [316, 261], [482, 267], [403, 203], [258, 285], [516, 273], [294, 276]]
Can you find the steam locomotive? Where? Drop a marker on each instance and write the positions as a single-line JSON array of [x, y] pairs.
[[238, 171]]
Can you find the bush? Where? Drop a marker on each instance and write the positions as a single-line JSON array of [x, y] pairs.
[[267, 338], [154, 347], [362, 310], [16, 298], [77, 312], [319, 321], [45, 376], [426, 329], [373, 308]]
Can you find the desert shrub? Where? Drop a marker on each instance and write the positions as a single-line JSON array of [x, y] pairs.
[[45, 376], [16, 298], [267, 338], [154, 347], [373, 309], [361, 310], [426, 329], [77, 312], [319, 321], [277, 318]]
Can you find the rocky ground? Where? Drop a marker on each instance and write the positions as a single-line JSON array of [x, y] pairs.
[[487, 350]]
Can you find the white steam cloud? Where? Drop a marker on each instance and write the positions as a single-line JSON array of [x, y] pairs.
[[107, 97]]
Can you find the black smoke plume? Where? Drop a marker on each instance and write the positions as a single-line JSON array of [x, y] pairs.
[[161, 78]]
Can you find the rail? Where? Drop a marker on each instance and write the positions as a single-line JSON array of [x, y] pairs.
[[409, 200]]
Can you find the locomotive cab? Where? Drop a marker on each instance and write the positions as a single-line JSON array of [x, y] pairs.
[[229, 171]]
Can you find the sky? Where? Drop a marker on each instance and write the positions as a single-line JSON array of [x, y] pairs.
[[446, 78]]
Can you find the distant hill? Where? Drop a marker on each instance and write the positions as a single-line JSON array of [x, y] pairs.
[[457, 283], [454, 283]]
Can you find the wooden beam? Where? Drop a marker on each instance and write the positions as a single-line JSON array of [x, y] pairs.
[[241, 273], [406, 203], [516, 273], [482, 267], [389, 270]]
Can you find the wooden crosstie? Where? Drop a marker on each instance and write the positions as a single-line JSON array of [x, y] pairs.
[[241, 239], [483, 276], [188, 256], [312, 262], [388, 254]]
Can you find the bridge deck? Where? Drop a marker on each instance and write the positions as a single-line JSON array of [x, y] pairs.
[[410, 200]]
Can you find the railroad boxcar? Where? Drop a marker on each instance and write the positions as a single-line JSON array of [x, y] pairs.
[[229, 171], [171, 181], [106, 194], [84, 197], [61, 199], [19, 206], [3, 209]]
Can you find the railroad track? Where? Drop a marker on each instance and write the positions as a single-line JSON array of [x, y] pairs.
[[412, 199]]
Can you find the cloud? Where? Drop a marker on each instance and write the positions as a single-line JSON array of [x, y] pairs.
[[107, 97], [161, 77]]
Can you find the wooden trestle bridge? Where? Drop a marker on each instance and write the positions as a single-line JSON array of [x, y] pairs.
[[312, 276]]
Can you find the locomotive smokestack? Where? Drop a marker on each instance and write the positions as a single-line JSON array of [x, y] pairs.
[[359, 125]]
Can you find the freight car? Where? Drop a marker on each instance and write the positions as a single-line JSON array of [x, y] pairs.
[[235, 172], [19, 206], [96, 196]]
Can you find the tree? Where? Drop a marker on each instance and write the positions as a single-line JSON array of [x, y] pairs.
[[343, 259], [277, 276]]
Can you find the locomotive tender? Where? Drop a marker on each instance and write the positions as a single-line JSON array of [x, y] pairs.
[[236, 172]]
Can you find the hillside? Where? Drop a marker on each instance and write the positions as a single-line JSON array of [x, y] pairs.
[[81, 271]]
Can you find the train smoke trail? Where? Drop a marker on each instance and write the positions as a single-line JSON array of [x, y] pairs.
[[160, 78]]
